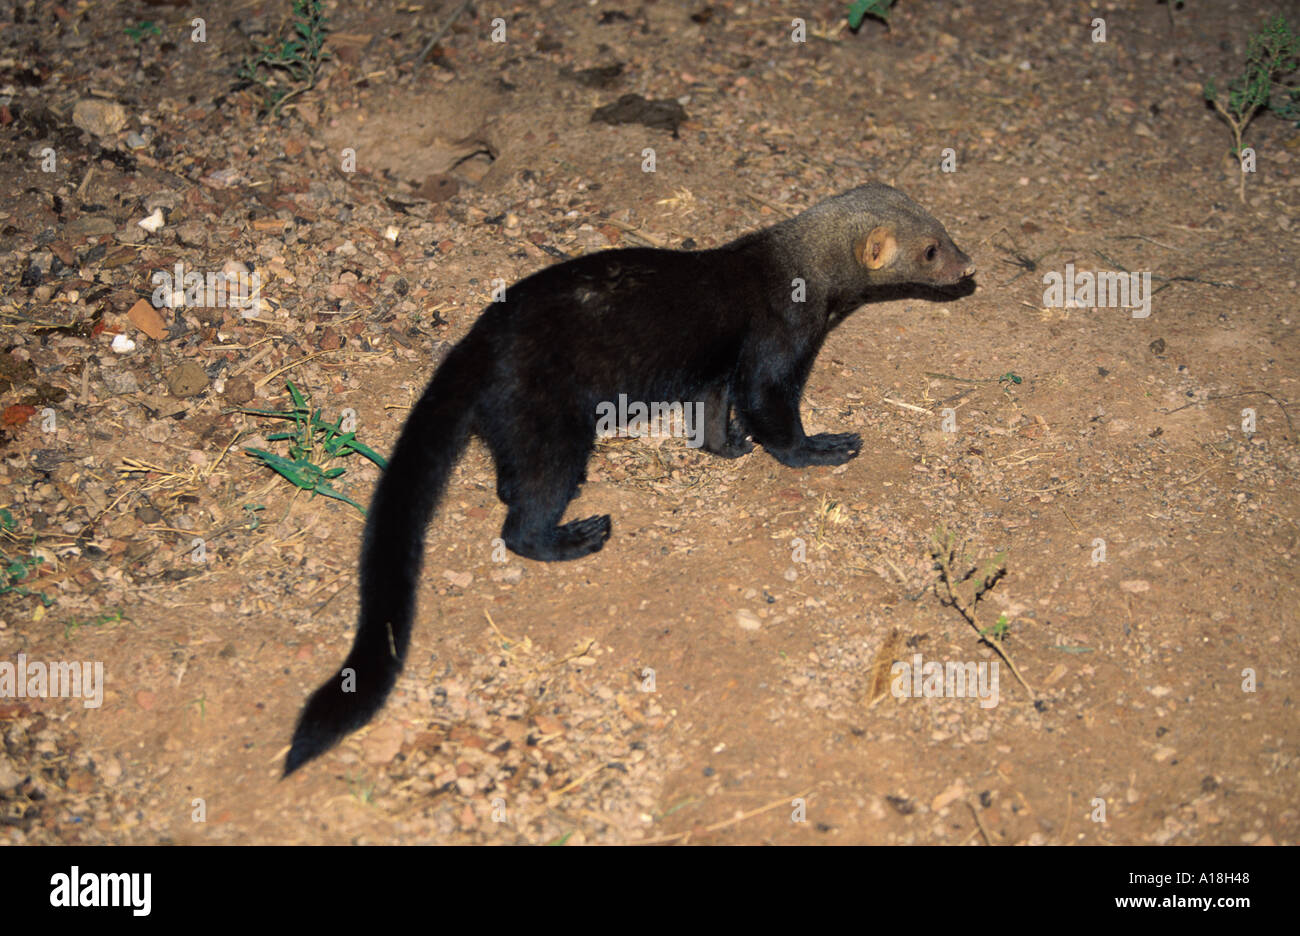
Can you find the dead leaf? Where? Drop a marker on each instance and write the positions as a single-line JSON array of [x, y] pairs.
[[17, 415], [882, 667], [146, 318]]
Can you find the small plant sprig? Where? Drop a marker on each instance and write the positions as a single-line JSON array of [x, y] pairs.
[[1288, 108], [108, 617], [861, 9], [313, 444], [298, 58], [139, 31], [1271, 55], [16, 568], [962, 585]]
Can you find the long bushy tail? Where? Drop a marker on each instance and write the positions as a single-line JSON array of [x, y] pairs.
[[392, 551]]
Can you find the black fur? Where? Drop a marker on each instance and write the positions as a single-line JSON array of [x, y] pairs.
[[716, 326]]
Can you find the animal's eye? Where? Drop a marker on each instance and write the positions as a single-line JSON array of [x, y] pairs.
[[931, 252]]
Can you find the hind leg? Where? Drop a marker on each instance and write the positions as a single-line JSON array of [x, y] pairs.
[[536, 485]]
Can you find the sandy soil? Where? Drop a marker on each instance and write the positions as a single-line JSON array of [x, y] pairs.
[[720, 671]]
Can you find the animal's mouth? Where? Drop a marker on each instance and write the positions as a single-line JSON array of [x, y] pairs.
[[966, 271]]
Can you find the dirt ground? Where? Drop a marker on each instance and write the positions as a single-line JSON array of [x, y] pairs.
[[720, 672]]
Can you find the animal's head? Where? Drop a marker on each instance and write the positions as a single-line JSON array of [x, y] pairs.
[[903, 243]]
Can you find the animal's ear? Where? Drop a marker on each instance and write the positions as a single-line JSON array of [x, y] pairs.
[[877, 248]]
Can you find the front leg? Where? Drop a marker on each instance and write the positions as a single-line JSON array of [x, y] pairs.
[[771, 410], [724, 435]]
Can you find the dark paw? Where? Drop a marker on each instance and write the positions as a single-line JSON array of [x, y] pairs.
[[582, 537], [838, 445], [558, 544], [732, 448], [736, 444], [827, 448]]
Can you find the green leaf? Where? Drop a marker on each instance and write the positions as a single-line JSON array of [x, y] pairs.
[[299, 401], [860, 9], [330, 492], [370, 453]]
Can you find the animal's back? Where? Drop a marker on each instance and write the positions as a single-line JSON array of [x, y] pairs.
[[648, 323]]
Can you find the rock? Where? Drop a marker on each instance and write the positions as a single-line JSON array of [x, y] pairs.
[[9, 777], [99, 117], [633, 108], [161, 198], [132, 234], [110, 771], [158, 431], [192, 234], [154, 223], [187, 379], [459, 579], [90, 226], [591, 238], [383, 743], [438, 188], [239, 390], [747, 620], [510, 575], [119, 382]]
